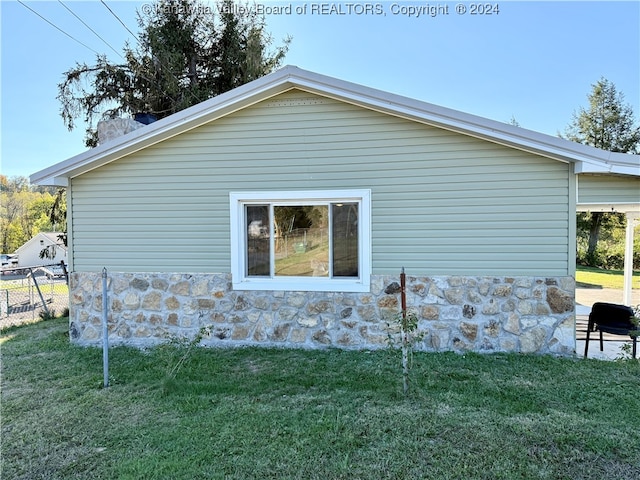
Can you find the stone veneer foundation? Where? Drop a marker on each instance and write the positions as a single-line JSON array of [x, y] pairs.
[[459, 313]]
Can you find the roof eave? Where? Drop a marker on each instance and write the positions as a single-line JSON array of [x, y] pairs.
[[587, 159], [585, 167]]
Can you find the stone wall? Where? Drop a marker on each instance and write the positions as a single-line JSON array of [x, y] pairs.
[[485, 314]]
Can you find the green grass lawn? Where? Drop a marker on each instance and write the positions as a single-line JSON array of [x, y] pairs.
[[45, 287], [593, 277], [271, 413]]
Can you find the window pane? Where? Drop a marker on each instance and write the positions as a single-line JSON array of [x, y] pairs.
[[258, 235], [302, 241], [345, 239]]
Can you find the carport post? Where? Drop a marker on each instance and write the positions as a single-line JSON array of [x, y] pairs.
[[105, 330], [632, 221]]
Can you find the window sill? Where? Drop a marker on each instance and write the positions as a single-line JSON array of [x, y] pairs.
[[304, 285]]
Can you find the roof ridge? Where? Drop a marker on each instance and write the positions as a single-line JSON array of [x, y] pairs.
[[588, 159]]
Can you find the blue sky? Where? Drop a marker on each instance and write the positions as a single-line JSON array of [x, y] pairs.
[[533, 61]]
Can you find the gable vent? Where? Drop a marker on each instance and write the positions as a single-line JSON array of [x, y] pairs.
[[290, 102]]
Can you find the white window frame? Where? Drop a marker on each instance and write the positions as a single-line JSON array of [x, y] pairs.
[[240, 281]]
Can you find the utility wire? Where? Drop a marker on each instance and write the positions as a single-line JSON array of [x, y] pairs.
[[168, 70], [56, 27], [92, 30], [140, 43], [96, 34], [84, 23], [121, 22]]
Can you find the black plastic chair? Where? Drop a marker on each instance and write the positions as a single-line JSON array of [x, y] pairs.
[[611, 318]]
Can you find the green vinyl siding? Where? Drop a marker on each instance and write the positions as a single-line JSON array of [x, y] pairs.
[[608, 189], [442, 203]]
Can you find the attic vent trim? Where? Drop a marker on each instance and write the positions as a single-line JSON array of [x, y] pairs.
[[296, 102]]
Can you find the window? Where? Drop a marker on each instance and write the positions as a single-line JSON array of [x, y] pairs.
[[311, 240]]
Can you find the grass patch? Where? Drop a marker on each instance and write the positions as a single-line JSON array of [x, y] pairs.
[[590, 277], [270, 413], [46, 287]]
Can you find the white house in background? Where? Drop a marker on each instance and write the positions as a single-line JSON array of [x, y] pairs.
[[29, 253]]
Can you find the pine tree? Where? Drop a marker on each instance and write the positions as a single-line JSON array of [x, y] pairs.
[[609, 124], [187, 52]]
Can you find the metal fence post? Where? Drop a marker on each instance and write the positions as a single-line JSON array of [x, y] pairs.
[[4, 305], [105, 330], [44, 304]]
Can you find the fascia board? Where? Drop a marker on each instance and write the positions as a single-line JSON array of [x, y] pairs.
[[608, 207], [625, 163], [627, 168], [620, 170], [50, 181], [590, 167]]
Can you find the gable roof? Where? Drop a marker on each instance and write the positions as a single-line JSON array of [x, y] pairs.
[[587, 159], [51, 237]]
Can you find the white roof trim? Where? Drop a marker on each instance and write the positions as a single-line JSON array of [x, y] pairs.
[[608, 207], [587, 159]]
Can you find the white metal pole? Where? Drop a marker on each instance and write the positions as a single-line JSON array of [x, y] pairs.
[[105, 330], [631, 218]]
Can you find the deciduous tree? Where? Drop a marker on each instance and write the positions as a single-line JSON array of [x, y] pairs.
[[25, 211]]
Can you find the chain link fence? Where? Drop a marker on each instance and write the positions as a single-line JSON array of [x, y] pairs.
[[34, 293]]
